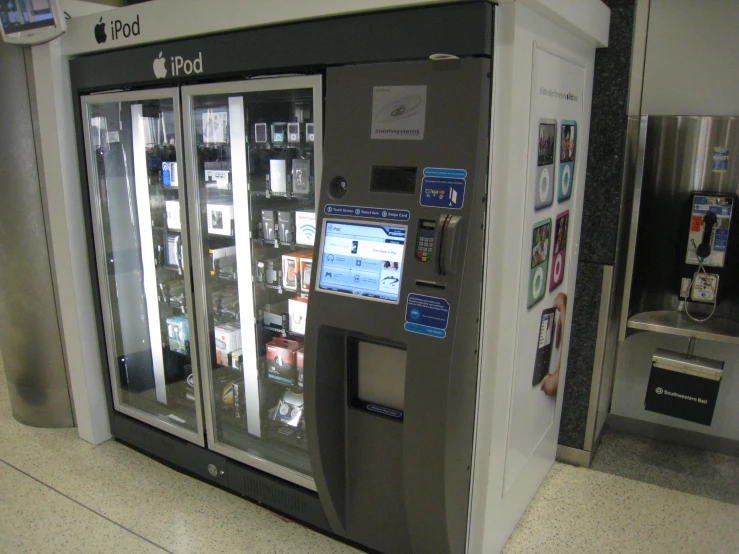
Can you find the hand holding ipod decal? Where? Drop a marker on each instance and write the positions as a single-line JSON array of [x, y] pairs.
[[550, 383]]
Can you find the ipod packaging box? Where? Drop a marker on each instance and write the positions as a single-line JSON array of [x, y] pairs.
[[220, 219], [298, 308], [306, 267], [172, 208], [291, 268], [305, 228], [228, 339]]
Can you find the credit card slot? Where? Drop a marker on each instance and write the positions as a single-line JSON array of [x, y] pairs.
[[430, 284]]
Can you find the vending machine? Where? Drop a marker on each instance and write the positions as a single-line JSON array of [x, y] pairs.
[[335, 280]]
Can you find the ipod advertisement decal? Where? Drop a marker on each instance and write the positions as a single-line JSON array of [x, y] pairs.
[[567, 152], [551, 226], [559, 260]]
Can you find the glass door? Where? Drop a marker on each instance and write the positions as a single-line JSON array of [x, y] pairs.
[[255, 154], [137, 191]]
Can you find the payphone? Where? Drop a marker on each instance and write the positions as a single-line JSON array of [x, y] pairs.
[[706, 256]]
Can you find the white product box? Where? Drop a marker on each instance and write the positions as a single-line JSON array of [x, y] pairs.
[[217, 178], [305, 228], [306, 268], [172, 208], [291, 268], [228, 339], [278, 175], [298, 311], [220, 219], [215, 127]]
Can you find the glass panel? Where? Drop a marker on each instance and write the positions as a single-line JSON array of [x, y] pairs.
[[256, 177], [142, 262]]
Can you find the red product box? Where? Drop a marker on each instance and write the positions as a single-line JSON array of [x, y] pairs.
[[281, 352]]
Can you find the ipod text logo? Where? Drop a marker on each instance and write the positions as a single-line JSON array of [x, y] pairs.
[[118, 29], [188, 67]]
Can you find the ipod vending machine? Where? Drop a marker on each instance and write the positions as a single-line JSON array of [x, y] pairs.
[[294, 249]]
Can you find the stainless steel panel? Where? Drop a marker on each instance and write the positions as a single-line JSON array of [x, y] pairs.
[[672, 322], [678, 160], [30, 338]]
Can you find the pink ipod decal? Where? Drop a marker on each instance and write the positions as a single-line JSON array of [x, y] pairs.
[[560, 248]]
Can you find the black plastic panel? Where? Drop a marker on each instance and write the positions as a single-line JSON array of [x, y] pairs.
[[464, 30]]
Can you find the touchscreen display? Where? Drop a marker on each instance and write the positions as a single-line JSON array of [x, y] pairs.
[[363, 260], [24, 15]]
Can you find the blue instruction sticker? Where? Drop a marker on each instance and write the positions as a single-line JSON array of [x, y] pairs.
[[443, 192], [444, 172], [370, 213], [426, 315], [720, 159]]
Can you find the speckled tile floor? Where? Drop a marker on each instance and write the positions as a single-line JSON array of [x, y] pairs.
[[61, 494], [673, 466]]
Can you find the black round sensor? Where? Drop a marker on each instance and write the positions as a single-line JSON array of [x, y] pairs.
[[337, 187]]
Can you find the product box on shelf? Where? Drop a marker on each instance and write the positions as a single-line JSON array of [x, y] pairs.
[[298, 310], [305, 228], [306, 267], [287, 423], [278, 176], [172, 293], [169, 174], [301, 176], [291, 268], [172, 251], [223, 262], [285, 226], [220, 219], [281, 360], [228, 389], [228, 339], [172, 210], [215, 127], [178, 333], [269, 225], [218, 179], [276, 316], [236, 358], [300, 355], [226, 304]]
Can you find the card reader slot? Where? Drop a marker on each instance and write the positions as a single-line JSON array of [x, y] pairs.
[[430, 284]]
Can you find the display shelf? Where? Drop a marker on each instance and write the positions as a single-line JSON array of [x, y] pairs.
[[670, 322]]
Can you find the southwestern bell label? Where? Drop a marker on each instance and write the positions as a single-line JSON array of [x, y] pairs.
[[398, 113]]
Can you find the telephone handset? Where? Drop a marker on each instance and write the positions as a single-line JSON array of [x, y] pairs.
[[704, 248]]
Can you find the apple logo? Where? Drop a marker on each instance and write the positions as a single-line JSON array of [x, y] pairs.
[[100, 35], [160, 68]]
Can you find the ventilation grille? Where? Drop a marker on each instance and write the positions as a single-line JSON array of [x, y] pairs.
[[275, 496]]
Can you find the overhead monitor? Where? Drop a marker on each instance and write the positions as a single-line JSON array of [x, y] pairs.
[[364, 260], [31, 21]]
